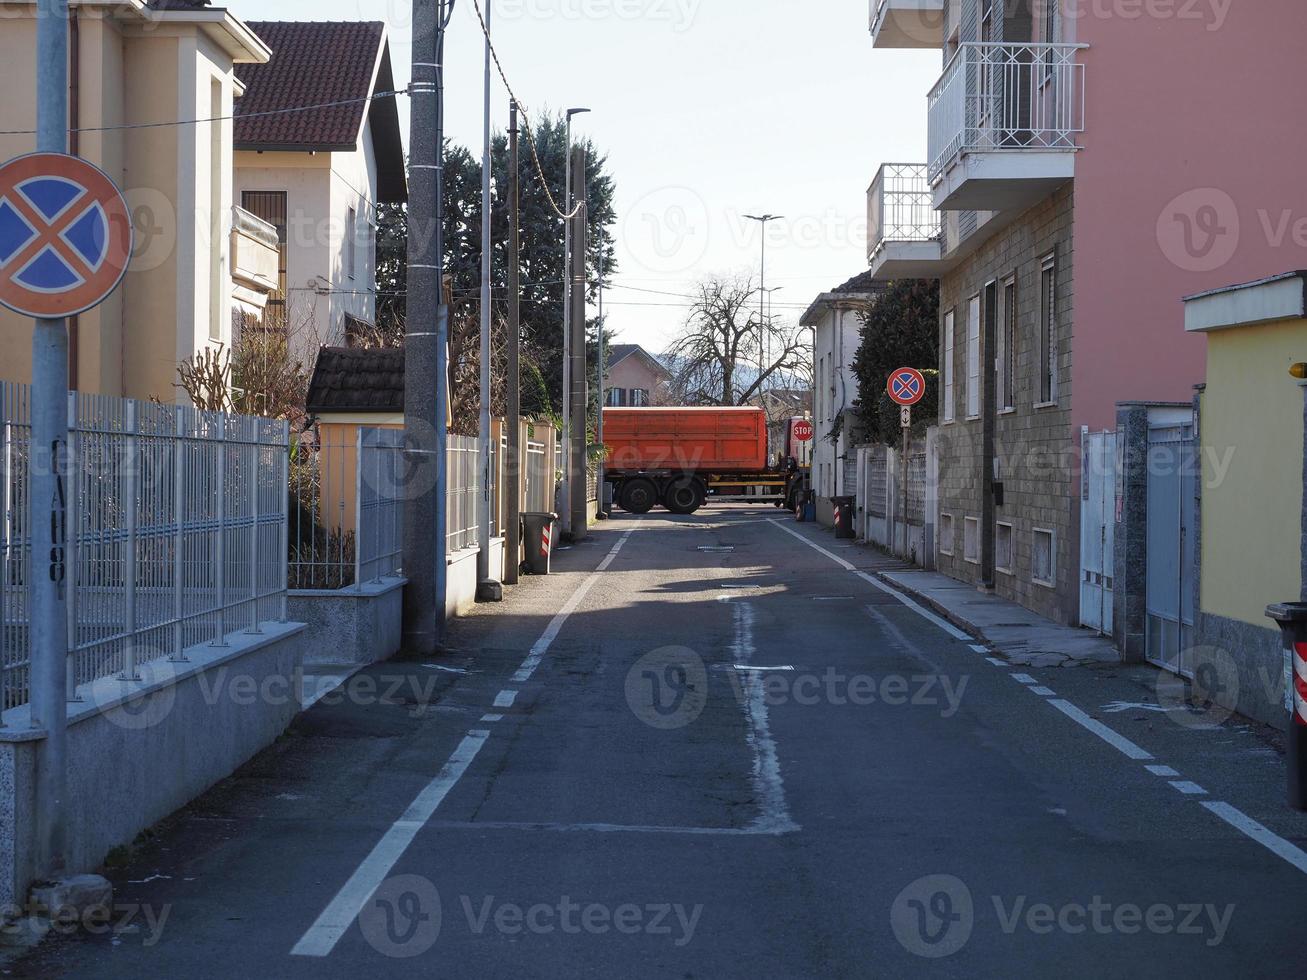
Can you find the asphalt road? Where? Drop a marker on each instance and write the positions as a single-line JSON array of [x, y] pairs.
[[727, 753]]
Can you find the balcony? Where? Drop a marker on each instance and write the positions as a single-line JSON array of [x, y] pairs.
[[907, 23], [255, 261], [1004, 125], [903, 227]]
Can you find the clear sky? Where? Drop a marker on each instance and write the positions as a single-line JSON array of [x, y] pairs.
[[709, 110]]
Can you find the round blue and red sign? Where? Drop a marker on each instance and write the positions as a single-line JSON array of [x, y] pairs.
[[65, 235], [907, 386]]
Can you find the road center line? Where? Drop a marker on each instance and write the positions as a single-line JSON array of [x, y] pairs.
[[769, 787], [555, 626], [338, 916]]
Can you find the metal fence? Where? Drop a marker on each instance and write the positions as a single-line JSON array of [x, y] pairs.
[[380, 504], [540, 478], [175, 532], [917, 488], [878, 482], [900, 207], [463, 489]]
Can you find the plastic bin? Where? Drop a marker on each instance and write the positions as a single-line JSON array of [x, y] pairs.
[[538, 540], [844, 516]]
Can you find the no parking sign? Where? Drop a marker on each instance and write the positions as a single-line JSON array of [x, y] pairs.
[[65, 235]]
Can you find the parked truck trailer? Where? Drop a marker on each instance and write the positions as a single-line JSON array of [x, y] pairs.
[[683, 457]]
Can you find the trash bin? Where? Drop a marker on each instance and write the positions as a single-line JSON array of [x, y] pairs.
[[805, 509], [538, 539], [1292, 617], [844, 517]]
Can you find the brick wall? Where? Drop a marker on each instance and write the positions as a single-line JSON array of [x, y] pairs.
[[1037, 453]]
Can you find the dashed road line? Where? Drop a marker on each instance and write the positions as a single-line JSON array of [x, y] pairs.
[[1246, 825], [996, 662], [1043, 692], [1162, 771], [491, 719], [1023, 678], [1118, 742], [1188, 788], [505, 699]]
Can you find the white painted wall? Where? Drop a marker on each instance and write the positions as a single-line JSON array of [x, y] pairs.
[[835, 345]]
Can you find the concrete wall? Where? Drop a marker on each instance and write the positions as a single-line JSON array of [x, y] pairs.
[[347, 627], [137, 752], [1034, 444], [835, 345]]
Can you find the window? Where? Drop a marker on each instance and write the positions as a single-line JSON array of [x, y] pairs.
[[1048, 331], [1041, 557], [639, 397], [219, 285], [973, 358], [615, 397], [271, 207], [1006, 368], [351, 242], [1003, 547], [949, 394], [971, 540], [946, 534]]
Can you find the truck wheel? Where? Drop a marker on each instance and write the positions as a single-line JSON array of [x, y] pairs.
[[638, 496], [684, 497]]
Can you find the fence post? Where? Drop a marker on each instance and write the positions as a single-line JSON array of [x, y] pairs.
[[129, 563], [179, 453], [220, 556], [70, 548], [285, 520], [254, 452], [358, 510], [6, 474]]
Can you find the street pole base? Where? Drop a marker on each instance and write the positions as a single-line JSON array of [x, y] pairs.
[[489, 590]]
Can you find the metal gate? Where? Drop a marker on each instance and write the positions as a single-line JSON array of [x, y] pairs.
[[1170, 579], [1097, 528]]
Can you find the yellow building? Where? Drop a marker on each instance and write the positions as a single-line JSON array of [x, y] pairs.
[[1250, 443], [134, 63]]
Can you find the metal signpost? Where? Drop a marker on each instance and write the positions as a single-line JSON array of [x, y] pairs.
[[906, 387], [65, 241]]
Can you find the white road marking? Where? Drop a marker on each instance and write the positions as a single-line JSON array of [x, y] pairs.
[[491, 719], [340, 914], [759, 670], [612, 828], [996, 662], [979, 648], [505, 699], [1245, 824], [768, 786], [542, 645], [1161, 770], [942, 623], [1043, 692], [1023, 678], [1188, 788], [1118, 742]]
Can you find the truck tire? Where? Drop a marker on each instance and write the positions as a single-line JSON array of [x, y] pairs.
[[685, 496], [639, 496]]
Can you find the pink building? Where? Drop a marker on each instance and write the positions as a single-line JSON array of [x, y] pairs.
[[1088, 165]]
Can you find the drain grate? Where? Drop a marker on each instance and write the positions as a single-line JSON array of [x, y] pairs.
[[716, 549]]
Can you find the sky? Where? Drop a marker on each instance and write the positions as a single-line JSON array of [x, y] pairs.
[[709, 110]]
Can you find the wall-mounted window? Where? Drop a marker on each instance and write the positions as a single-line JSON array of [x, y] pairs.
[[615, 397], [1007, 346], [1048, 331], [973, 357], [1004, 553], [351, 242], [971, 540], [639, 397], [1041, 557], [946, 534], [949, 392]]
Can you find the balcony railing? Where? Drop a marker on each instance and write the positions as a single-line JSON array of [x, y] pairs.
[[908, 23], [899, 207], [999, 97]]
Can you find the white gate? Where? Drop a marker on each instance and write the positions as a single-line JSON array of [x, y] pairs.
[[1097, 528]]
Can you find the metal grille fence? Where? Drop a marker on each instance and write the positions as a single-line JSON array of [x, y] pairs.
[[917, 489], [463, 490], [380, 504], [176, 532], [539, 496], [877, 482]]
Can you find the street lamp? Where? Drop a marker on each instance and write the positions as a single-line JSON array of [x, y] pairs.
[[567, 326], [762, 219]]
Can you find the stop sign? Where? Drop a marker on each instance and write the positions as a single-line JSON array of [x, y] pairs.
[[803, 430]]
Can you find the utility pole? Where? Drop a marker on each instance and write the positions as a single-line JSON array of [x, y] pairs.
[[762, 220], [426, 376], [567, 328], [48, 510], [603, 367], [512, 468], [487, 588], [577, 467]]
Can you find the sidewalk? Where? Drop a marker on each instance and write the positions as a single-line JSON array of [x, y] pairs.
[[1013, 631]]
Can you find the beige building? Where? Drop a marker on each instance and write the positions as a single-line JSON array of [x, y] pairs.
[[634, 377], [133, 64], [319, 175]]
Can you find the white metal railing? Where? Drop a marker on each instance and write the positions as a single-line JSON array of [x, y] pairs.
[[995, 96], [175, 533], [539, 472], [463, 491], [380, 505], [900, 208]]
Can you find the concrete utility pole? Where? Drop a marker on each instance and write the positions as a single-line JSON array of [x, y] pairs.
[[566, 514], [48, 508], [576, 274], [512, 468], [426, 377], [487, 587], [603, 367]]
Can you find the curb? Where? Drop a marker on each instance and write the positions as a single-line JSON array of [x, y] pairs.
[[938, 608]]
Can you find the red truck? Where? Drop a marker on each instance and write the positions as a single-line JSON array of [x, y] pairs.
[[682, 457]]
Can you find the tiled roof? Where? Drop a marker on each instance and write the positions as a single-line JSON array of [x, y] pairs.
[[861, 283], [312, 64], [616, 353], [347, 379]]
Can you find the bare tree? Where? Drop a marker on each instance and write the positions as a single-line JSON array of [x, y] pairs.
[[727, 355]]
